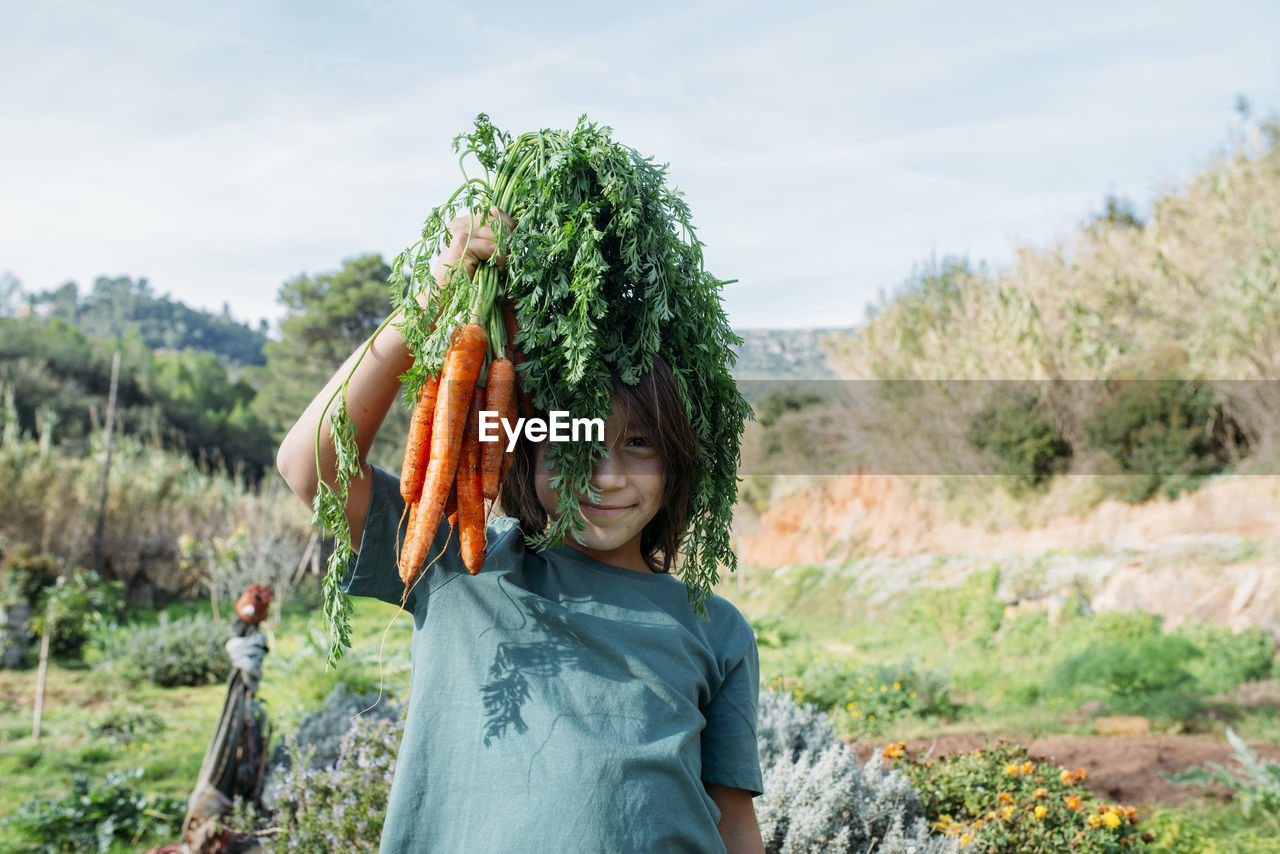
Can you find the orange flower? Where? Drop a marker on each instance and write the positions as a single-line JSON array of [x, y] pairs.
[[1028, 767], [1039, 793], [894, 751], [1073, 803], [1004, 798]]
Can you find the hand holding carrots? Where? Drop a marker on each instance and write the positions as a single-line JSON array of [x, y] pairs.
[[471, 241]]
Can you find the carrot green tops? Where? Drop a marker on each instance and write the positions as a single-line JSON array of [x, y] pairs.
[[559, 704]]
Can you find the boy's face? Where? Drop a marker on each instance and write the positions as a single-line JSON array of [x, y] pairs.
[[630, 480]]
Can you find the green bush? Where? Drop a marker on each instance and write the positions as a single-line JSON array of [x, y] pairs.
[[1023, 437], [175, 652], [1146, 676], [124, 723], [968, 612], [1000, 801], [1228, 658], [1164, 436], [867, 700], [93, 816]]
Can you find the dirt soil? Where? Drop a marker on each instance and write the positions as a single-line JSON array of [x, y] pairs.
[[1126, 769]]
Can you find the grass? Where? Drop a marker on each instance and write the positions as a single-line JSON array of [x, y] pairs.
[[294, 684]]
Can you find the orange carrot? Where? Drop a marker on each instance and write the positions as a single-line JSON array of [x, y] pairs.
[[499, 397], [509, 321], [462, 364], [451, 505], [471, 533], [415, 450]]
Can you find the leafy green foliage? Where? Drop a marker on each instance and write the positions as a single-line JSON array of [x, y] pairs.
[[74, 606], [326, 317], [184, 399], [867, 701], [175, 652], [1023, 438], [125, 722], [1000, 801], [1144, 676], [1256, 783], [1228, 658], [94, 815], [1165, 436]]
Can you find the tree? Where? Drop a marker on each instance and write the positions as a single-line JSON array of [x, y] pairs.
[[327, 317]]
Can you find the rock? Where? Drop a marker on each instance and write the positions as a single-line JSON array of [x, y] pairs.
[[1122, 725]]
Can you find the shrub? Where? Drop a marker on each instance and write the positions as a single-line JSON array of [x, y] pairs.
[[1001, 802], [817, 798], [337, 807], [1228, 658], [1165, 436], [93, 816], [185, 651], [1146, 676], [866, 700], [123, 723], [320, 735], [1023, 437]]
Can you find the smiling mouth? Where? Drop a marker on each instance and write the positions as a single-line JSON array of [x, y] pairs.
[[605, 507]]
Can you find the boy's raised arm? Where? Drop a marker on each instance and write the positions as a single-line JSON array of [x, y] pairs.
[[371, 391]]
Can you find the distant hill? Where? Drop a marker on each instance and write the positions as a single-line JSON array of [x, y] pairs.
[[118, 306], [775, 354]]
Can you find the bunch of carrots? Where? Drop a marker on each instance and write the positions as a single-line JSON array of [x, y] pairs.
[[447, 469]]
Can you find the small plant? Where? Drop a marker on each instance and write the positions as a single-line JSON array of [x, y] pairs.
[[817, 797], [176, 652], [94, 816], [1256, 783], [124, 723], [338, 807], [1000, 801], [1146, 676]]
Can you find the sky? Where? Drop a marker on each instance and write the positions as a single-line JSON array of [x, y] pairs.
[[827, 149]]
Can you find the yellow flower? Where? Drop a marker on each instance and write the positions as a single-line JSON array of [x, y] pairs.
[[913, 695], [1028, 767], [1006, 813], [1011, 769], [1040, 812], [897, 686], [1095, 820], [1073, 803], [1004, 798], [884, 688], [871, 717], [1039, 793], [1111, 819], [965, 839], [855, 713], [146, 746], [1066, 777], [894, 751]]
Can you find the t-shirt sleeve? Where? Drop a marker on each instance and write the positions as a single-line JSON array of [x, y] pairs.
[[730, 755], [374, 571]]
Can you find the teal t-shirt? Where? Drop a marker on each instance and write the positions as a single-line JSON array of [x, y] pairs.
[[559, 704]]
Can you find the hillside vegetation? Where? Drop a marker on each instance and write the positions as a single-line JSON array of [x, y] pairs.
[[1142, 352]]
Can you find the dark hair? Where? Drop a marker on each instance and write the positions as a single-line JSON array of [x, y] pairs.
[[653, 408]]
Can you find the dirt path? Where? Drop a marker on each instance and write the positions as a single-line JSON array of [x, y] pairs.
[[1127, 769]]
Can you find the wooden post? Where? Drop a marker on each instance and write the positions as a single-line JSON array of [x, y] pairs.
[[100, 528]]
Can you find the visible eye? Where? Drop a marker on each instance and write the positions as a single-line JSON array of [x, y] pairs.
[[639, 442]]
